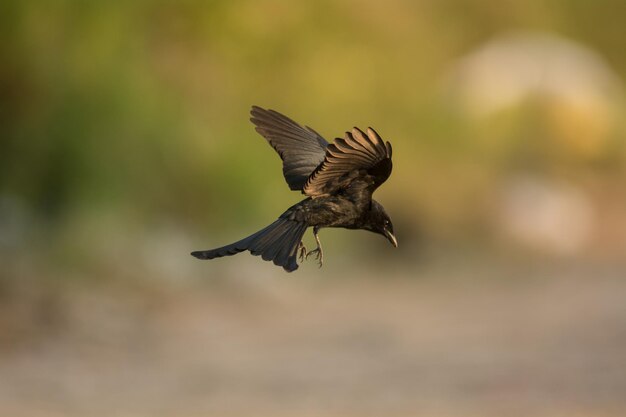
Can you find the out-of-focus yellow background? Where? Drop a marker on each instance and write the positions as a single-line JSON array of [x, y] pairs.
[[125, 144]]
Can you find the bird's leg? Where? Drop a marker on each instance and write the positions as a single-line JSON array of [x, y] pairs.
[[319, 255], [302, 252]]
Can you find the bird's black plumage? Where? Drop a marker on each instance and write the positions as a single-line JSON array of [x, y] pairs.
[[338, 180]]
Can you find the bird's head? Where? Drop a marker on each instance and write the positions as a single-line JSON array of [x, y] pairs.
[[379, 222]]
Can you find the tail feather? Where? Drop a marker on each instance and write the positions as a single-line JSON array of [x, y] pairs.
[[262, 243], [288, 253], [278, 242], [279, 237]]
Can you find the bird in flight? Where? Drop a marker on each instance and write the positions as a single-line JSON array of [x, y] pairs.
[[338, 180]]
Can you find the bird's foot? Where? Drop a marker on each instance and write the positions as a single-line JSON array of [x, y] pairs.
[[302, 253], [319, 255]]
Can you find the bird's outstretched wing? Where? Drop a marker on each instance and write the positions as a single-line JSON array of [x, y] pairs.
[[301, 148], [356, 163]]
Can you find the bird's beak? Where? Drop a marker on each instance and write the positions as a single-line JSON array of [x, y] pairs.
[[391, 238]]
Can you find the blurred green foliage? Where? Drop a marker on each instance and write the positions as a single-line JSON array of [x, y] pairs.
[[134, 114]]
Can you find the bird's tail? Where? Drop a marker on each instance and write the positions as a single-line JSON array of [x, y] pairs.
[[278, 242]]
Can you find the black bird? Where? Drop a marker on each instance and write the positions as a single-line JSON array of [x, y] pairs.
[[338, 180]]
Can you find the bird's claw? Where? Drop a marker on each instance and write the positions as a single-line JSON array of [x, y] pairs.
[[302, 253], [318, 255]]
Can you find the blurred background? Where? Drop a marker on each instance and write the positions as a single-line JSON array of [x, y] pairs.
[[125, 144]]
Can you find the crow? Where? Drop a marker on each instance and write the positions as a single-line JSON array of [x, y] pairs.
[[338, 180]]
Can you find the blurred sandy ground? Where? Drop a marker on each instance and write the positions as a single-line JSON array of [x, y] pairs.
[[469, 339], [124, 145]]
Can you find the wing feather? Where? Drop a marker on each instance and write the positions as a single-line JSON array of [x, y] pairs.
[[302, 149], [358, 161]]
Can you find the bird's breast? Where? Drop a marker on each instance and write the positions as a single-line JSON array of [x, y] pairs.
[[332, 212]]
